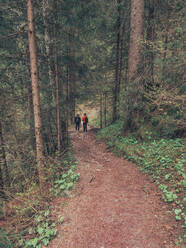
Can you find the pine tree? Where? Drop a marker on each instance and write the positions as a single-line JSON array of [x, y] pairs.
[[133, 102], [136, 37], [35, 92]]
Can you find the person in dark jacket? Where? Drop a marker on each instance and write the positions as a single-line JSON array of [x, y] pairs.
[[77, 121], [85, 122]]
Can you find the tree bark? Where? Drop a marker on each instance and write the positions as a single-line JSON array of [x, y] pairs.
[[165, 48], [3, 165], [67, 102], [57, 93], [134, 94], [46, 15], [1, 183], [149, 59], [35, 95], [120, 64], [136, 36], [73, 109], [3, 157], [72, 76], [105, 109], [117, 68], [101, 110], [30, 106]]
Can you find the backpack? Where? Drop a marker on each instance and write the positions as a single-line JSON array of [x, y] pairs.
[[77, 119], [86, 119]]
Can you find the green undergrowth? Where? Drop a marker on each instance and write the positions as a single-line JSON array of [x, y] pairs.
[[33, 222], [162, 158]]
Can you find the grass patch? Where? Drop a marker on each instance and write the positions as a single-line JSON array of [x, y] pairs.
[[27, 217]]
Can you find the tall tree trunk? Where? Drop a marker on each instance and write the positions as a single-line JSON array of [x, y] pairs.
[[1, 183], [166, 40], [72, 105], [117, 68], [35, 92], [149, 58], [73, 109], [165, 50], [58, 112], [3, 163], [67, 102], [57, 93], [63, 103], [3, 156], [120, 65], [46, 17], [101, 110], [134, 94], [31, 116], [72, 77], [164, 56], [105, 109], [136, 36], [30, 105]]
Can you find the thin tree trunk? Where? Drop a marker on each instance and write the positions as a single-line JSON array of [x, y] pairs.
[[120, 65], [166, 39], [57, 93], [3, 163], [46, 15], [58, 113], [72, 107], [116, 86], [30, 107], [36, 98], [164, 56], [67, 102], [105, 109], [63, 108], [72, 77], [1, 183], [101, 110]]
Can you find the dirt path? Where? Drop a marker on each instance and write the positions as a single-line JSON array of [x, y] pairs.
[[114, 204]]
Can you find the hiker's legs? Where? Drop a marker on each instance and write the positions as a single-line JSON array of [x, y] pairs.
[[77, 124], [84, 127]]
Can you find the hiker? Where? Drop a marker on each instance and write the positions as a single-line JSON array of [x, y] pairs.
[[77, 121], [85, 122]]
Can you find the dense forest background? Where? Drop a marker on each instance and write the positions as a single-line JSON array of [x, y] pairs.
[[124, 57]]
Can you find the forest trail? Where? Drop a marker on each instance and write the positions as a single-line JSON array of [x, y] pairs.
[[114, 204]]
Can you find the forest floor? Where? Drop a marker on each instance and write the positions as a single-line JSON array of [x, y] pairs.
[[114, 204]]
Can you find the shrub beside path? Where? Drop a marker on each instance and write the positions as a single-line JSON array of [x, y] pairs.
[[114, 204]]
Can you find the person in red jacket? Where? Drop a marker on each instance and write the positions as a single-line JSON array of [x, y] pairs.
[[85, 122]]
